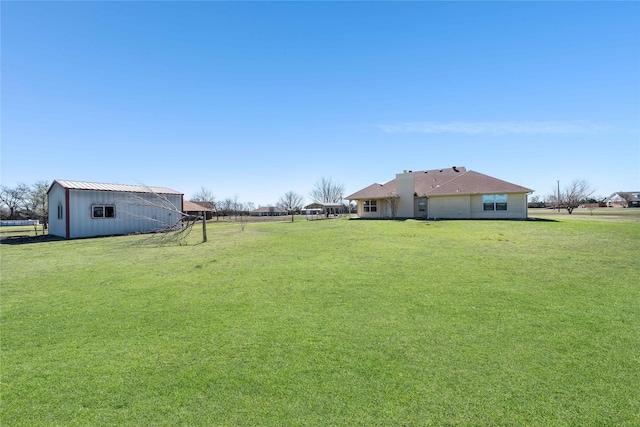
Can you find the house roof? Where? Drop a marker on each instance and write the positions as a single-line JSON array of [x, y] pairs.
[[375, 191], [194, 207], [443, 182], [124, 188], [631, 196], [472, 182]]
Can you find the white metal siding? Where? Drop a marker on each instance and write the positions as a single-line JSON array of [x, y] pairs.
[[57, 227], [134, 213]]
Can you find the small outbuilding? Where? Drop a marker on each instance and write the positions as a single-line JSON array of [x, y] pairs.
[[268, 211], [198, 209], [88, 209]]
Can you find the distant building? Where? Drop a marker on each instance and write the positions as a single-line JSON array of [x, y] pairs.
[[329, 210], [87, 209], [268, 211], [624, 199], [197, 208]]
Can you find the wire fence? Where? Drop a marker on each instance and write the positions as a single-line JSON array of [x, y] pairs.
[[16, 231]]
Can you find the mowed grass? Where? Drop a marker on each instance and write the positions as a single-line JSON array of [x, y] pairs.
[[322, 323]]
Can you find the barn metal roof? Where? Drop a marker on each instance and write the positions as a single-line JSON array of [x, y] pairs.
[[123, 188]]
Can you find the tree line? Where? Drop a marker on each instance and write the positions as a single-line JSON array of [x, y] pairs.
[[24, 201], [30, 201], [324, 191], [577, 193]]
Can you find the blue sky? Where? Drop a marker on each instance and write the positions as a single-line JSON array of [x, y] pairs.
[[255, 99]]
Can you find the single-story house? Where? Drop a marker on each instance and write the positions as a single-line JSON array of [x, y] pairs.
[[625, 199], [197, 208], [268, 211], [89, 209], [451, 193]]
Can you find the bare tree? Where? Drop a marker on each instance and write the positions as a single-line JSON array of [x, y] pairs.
[[173, 232], [237, 206], [326, 191], [205, 196], [226, 206], [393, 202], [291, 202], [575, 194], [240, 211], [158, 201], [36, 203], [14, 198], [242, 220]]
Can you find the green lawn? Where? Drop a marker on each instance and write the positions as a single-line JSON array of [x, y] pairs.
[[323, 323]]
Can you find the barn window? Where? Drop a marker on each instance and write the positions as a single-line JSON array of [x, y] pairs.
[[494, 202], [103, 211], [370, 205], [59, 211]]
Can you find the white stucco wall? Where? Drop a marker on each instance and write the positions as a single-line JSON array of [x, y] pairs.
[[463, 206], [516, 208], [470, 207], [405, 189], [380, 212], [451, 207]]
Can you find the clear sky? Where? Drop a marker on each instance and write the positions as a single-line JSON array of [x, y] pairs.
[[255, 99]]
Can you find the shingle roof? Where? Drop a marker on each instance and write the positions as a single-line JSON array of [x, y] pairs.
[[443, 182], [472, 182], [427, 181], [100, 186], [631, 196], [188, 206], [374, 191]]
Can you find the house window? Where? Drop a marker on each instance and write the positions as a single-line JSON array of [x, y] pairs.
[[494, 202], [103, 211], [370, 205], [422, 205], [59, 211]]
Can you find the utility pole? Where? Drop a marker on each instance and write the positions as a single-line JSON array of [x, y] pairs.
[[558, 198]]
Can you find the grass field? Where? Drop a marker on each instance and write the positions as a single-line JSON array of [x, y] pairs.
[[335, 322]]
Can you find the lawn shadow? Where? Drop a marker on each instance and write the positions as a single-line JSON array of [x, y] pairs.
[[430, 220], [23, 240], [541, 219]]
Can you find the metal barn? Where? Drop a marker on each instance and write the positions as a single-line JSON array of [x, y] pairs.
[[88, 209]]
